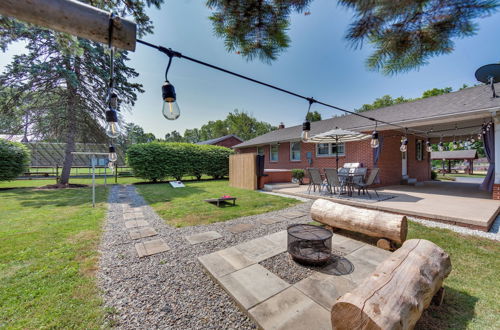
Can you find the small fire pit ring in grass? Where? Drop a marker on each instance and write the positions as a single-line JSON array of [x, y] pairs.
[[309, 245]]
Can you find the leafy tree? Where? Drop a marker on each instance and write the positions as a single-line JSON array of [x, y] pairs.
[[14, 159], [381, 102], [436, 91], [313, 116], [72, 76], [404, 34], [174, 136], [192, 135]]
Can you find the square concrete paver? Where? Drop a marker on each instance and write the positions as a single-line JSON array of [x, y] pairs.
[[371, 254], [345, 245], [203, 237], [252, 285], [291, 310], [260, 249], [240, 228], [151, 247], [269, 221], [225, 261], [136, 223], [134, 215], [142, 232], [324, 289], [293, 214]]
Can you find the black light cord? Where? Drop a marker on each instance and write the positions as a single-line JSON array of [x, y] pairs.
[[172, 53]]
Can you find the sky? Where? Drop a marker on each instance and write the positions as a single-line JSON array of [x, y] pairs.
[[319, 63]]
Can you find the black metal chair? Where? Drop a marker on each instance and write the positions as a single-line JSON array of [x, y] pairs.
[[364, 186], [314, 179], [333, 180]]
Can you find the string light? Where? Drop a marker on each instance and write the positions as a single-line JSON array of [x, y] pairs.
[[374, 143], [306, 125]]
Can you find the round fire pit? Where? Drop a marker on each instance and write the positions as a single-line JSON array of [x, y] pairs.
[[308, 244]]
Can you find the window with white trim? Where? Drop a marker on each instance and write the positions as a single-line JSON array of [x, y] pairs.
[[260, 151], [329, 149], [273, 154], [295, 151]]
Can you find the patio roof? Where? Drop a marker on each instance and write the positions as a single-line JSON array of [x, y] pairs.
[[454, 154], [473, 104]]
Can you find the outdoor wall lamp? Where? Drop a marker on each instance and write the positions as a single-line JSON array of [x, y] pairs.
[[306, 128]]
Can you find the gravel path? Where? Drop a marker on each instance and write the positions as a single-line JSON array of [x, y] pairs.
[[170, 290]]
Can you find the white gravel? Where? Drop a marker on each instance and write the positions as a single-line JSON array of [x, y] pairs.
[[493, 234], [170, 290]]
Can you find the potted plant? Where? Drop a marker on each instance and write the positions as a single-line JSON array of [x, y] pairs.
[[298, 175]]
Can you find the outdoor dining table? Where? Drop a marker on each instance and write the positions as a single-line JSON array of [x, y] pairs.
[[348, 179]]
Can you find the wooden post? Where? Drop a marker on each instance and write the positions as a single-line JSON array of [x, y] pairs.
[[73, 17], [57, 173], [116, 173]]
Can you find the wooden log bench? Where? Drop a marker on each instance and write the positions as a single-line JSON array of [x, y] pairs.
[[389, 228], [397, 292]]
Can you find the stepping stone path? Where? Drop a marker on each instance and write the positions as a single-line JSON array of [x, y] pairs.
[[148, 248], [269, 221], [203, 237], [293, 215], [142, 233], [241, 227]]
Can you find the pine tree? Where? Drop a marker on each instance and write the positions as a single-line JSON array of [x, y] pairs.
[[63, 80]]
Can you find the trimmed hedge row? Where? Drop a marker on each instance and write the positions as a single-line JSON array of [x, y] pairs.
[[156, 161], [14, 159]]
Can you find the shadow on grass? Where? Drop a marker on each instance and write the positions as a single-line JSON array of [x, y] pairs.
[[457, 310], [32, 197]]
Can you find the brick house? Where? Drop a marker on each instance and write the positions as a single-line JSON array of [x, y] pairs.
[[458, 115], [227, 141]]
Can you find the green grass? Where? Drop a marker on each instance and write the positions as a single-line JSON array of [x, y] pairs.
[[185, 206], [48, 256], [472, 292]]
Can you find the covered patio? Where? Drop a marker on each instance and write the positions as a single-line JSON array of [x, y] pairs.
[[456, 203]]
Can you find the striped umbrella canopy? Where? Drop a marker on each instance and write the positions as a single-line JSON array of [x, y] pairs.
[[337, 136]]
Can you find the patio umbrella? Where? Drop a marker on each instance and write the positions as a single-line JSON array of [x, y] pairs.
[[337, 136]]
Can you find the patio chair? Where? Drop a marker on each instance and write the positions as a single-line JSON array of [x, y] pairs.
[[364, 186], [314, 179], [333, 180], [359, 174]]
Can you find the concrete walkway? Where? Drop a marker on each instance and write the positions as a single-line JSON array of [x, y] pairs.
[[455, 203]]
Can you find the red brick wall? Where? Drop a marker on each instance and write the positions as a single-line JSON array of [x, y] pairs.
[[496, 191], [389, 161], [229, 142]]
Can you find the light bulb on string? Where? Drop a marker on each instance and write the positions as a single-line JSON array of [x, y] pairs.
[[404, 144], [111, 166], [374, 143], [428, 146], [112, 156], [112, 127], [454, 144], [306, 125], [170, 109]]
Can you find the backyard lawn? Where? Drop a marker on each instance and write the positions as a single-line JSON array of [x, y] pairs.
[[48, 255], [472, 292], [185, 206]]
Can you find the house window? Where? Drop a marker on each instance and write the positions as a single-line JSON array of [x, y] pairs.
[[295, 151], [273, 155], [330, 149], [420, 149], [260, 151], [323, 149]]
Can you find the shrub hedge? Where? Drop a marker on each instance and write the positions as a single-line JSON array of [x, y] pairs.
[[14, 159], [156, 161]]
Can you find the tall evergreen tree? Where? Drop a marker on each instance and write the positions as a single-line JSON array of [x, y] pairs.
[[405, 34], [63, 80]]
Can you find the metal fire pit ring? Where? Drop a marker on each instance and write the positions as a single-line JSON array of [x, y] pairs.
[[308, 244]]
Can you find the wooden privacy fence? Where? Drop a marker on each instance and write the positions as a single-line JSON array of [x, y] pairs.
[[243, 171]]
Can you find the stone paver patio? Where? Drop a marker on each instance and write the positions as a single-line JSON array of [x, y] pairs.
[[274, 303]]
